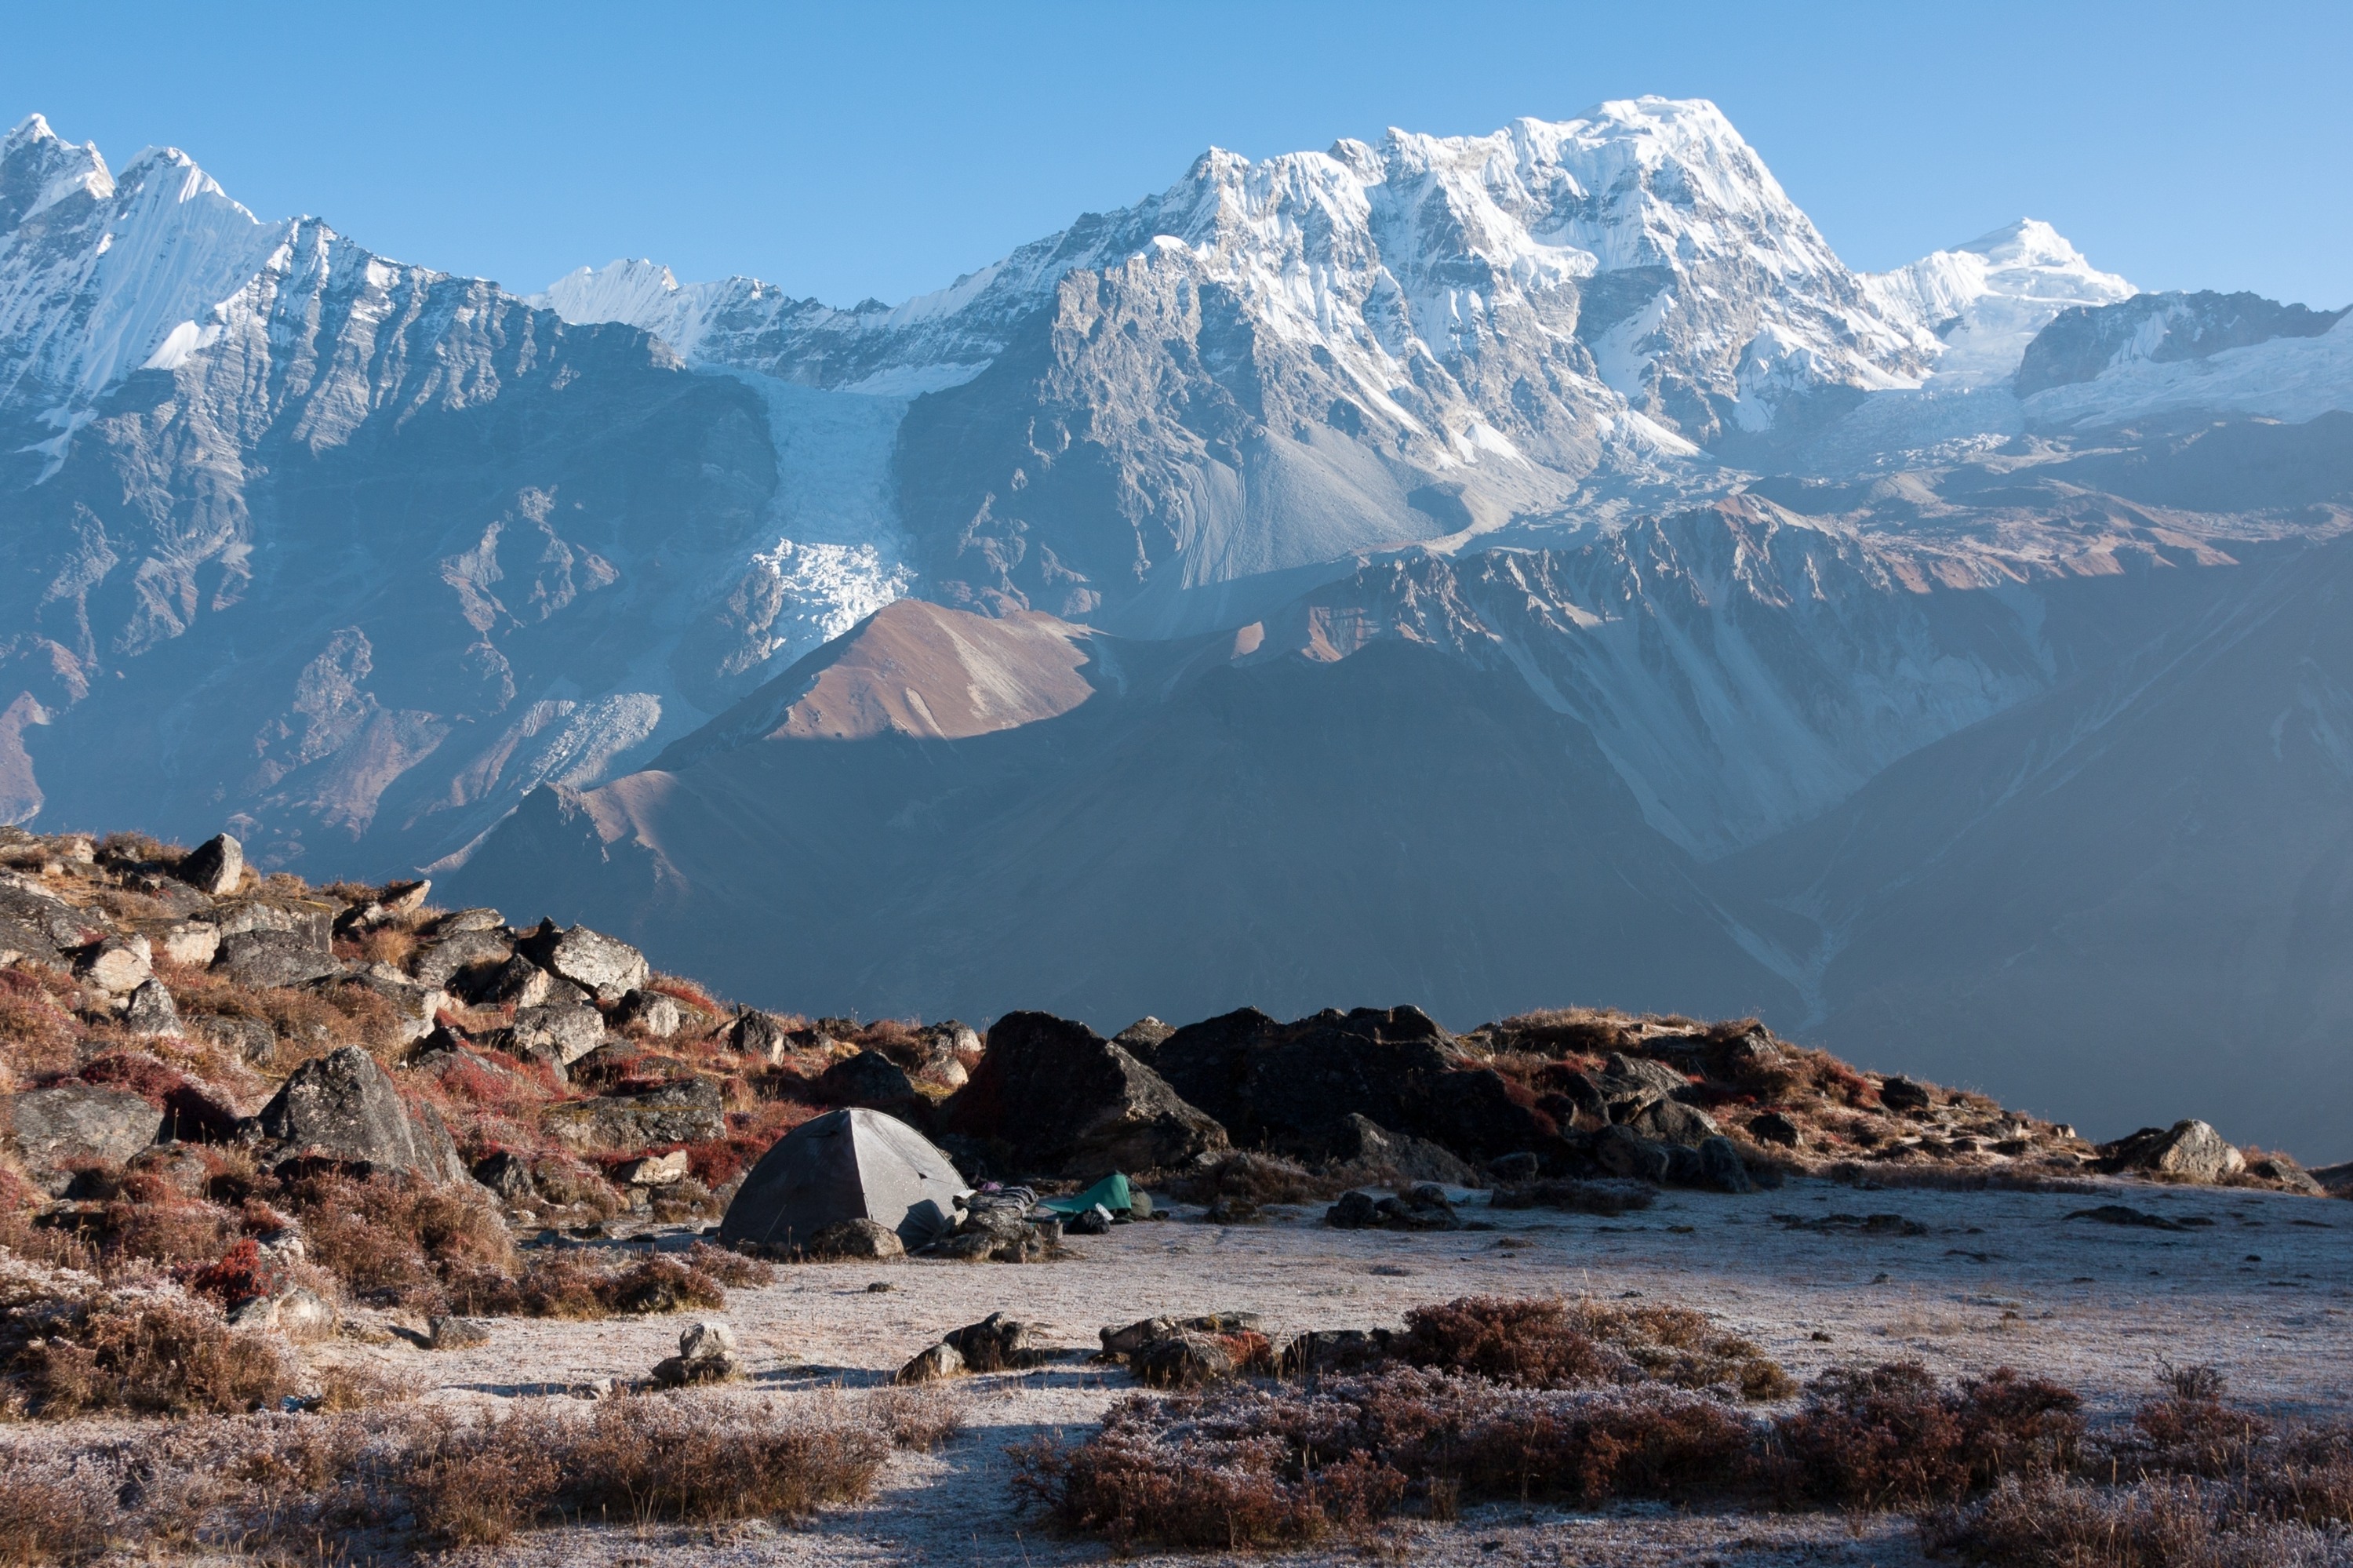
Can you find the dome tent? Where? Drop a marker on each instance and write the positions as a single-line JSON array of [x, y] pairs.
[[854, 1164]]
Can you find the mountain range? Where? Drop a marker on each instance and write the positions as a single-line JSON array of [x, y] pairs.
[[1482, 572]]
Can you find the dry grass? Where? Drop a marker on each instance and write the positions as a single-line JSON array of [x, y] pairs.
[[918, 1419], [1553, 1343], [152, 1356]]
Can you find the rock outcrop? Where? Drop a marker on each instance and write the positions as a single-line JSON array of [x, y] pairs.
[[1060, 1098]]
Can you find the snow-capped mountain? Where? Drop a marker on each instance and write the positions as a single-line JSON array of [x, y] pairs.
[[1981, 303]]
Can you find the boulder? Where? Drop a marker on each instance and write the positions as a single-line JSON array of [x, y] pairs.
[[477, 919], [1901, 1094], [517, 982], [453, 1333], [250, 1040], [439, 962], [508, 1174], [1674, 1122], [1359, 1138], [192, 942], [761, 1034], [214, 866], [1183, 1360], [567, 1032], [118, 964], [936, 1051], [687, 1111], [1621, 1151], [1065, 1100], [343, 1107], [309, 921], [263, 959], [1422, 1207], [606, 966], [1772, 1126], [869, 1079], [860, 1238], [1508, 1168], [152, 1013], [1480, 1112], [651, 1011], [73, 1123], [416, 1008], [706, 1354], [1721, 1167], [2283, 1169], [2187, 1151], [1654, 1076], [996, 1343], [933, 1363]]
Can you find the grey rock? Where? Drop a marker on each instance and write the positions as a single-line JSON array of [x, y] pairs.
[[49, 1127], [1672, 1121], [1141, 1037], [2283, 1169], [453, 1333], [267, 959], [118, 964], [416, 1008], [1182, 1361], [192, 942], [251, 1040], [568, 1033], [857, 1238], [1653, 1075], [606, 966], [1359, 1138], [656, 1014], [439, 962], [653, 1170], [459, 921], [214, 866], [151, 1013], [508, 1174], [311, 921], [2188, 1150], [932, 1363], [708, 1337], [343, 1106], [691, 1111]]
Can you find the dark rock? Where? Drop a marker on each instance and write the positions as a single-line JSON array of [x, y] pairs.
[[1672, 1122], [263, 959], [1422, 1207], [761, 1034], [688, 1111], [249, 1039], [1772, 1126], [1066, 1099], [869, 1079], [49, 1128], [1856, 1224], [1359, 1138], [1353, 1212], [214, 866], [1721, 1167], [1095, 1222], [508, 1174], [1481, 1112], [1656, 1076], [343, 1107], [516, 982], [870, 1239], [1331, 1351], [1685, 1167], [706, 1354], [1746, 1058], [607, 966], [1901, 1094], [1578, 1089], [2118, 1215], [1520, 1167], [996, 1343], [2188, 1150], [1292, 1084], [1624, 1152], [457, 1333]]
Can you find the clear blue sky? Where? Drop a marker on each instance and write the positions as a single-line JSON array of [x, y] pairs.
[[881, 149]]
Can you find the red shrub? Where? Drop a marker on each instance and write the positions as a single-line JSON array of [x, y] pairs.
[[238, 1275]]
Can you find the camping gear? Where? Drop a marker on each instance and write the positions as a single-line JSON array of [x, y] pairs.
[[1111, 1192], [854, 1164]]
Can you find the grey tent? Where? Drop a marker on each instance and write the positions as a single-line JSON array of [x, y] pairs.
[[855, 1164]]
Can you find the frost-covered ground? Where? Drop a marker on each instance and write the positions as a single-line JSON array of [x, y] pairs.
[[2265, 1292]]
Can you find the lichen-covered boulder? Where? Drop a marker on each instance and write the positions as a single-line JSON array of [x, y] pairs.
[[606, 966], [343, 1107]]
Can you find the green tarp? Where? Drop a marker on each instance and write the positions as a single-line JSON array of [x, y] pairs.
[[1111, 1192]]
